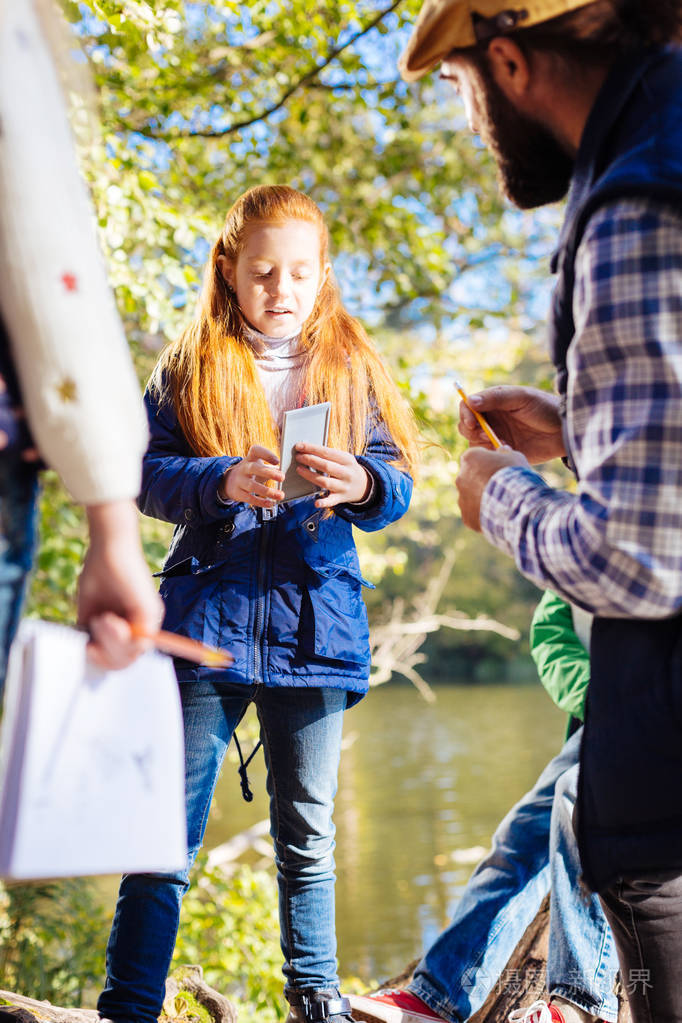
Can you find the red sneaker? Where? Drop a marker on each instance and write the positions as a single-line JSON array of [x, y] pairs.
[[542, 1012], [538, 1012], [392, 1006]]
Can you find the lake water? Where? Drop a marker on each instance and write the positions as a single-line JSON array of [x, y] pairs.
[[421, 790]]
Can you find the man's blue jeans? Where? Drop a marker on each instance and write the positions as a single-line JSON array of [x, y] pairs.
[[18, 494], [301, 731], [533, 848]]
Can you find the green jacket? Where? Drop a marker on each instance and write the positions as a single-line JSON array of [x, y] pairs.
[[562, 660]]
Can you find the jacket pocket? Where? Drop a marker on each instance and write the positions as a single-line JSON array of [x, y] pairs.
[[333, 615], [204, 602], [188, 566]]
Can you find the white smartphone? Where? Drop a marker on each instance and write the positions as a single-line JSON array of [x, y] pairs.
[[309, 424]]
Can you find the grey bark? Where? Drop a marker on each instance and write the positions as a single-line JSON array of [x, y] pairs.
[[185, 981]]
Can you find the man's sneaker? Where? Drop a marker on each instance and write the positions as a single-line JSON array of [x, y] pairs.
[[392, 1006], [538, 1012]]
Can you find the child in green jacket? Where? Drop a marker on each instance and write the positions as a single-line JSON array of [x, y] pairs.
[[533, 851]]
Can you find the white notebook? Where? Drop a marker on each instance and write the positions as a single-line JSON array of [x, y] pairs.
[[309, 424], [91, 762]]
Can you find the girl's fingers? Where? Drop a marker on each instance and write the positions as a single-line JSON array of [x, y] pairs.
[[328, 454], [263, 471], [259, 502], [332, 483], [254, 493], [327, 502], [258, 494], [257, 451], [323, 465], [252, 486]]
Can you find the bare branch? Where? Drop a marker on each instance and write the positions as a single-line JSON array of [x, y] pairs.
[[433, 623], [251, 838], [395, 644], [422, 687]]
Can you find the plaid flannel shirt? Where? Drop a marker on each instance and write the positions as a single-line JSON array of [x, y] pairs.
[[614, 546]]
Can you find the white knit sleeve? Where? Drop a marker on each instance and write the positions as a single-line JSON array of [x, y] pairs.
[[78, 384]]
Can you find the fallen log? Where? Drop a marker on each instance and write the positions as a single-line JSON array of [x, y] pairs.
[[189, 999]]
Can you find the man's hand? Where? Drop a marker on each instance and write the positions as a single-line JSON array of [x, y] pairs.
[[247, 481], [337, 472], [476, 467], [115, 590], [523, 417]]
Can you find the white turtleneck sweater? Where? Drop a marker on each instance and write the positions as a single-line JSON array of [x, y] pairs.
[[280, 362], [82, 398]]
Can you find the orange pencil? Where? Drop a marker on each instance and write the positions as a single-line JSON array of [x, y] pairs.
[[482, 422], [183, 646]]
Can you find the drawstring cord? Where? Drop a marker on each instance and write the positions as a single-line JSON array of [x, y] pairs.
[[243, 776]]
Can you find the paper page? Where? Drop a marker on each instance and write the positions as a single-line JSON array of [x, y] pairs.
[[100, 787]]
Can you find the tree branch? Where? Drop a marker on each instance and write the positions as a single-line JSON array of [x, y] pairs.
[[432, 623], [395, 645], [309, 76]]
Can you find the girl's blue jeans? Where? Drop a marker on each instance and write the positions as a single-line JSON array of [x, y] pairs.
[[533, 850], [301, 731]]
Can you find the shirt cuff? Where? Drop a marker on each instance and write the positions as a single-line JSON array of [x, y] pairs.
[[366, 501], [504, 492], [225, 502]]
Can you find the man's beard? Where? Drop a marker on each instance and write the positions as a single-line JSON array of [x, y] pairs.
[[533, 169]]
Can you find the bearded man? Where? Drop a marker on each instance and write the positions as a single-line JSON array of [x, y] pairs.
[[587, 98]]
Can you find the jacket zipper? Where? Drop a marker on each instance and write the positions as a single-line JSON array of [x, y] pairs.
[[267, 516]]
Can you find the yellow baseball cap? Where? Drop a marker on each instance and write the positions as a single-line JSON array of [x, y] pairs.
[[446, 25]]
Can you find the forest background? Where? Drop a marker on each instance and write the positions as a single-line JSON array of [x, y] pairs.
[[195, 102]]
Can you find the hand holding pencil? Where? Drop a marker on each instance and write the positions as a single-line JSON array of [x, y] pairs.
[[112, 632], [479, 464], [522, 418], [481, 420], [182, 646]]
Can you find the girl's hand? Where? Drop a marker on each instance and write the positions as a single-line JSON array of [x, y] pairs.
[[338, 472], [247, 481]]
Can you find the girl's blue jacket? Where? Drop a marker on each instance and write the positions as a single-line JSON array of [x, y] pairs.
[[280, 590]]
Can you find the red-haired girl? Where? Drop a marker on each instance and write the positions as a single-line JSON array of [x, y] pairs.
[[276, 582]]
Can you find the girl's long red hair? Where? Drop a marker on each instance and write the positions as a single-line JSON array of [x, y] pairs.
[[210, 373]]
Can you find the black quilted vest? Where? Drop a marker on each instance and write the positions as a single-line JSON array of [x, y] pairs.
[[629, 812]]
